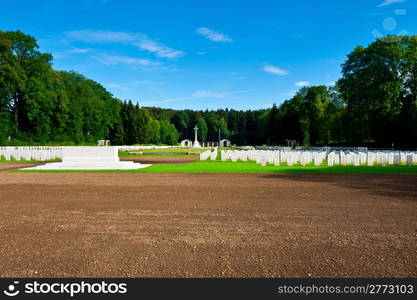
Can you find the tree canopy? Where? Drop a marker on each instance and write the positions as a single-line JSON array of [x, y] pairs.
[[374, 103]]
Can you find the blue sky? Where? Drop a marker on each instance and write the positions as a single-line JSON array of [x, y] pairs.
[[206, 54]]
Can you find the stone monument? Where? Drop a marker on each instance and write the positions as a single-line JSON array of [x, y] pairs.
[[196, 143]]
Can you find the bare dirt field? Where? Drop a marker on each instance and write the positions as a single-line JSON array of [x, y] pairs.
[[211, 225]]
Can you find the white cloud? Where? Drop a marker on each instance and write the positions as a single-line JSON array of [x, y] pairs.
[[159, 49], [389, 2], [115, 60], [275, 70], [139, 40], [73, 50], [302, 83], [198, 95], [102, 36], [79, 50], [213, 35], [207, 94]]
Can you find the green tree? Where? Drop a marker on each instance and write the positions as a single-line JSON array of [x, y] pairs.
[[202, 129], [10, 80], [168, 132], [378, 85], [272, 125], [181, 121], [154, 132]]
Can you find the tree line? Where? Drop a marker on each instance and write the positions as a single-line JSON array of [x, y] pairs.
[[41, 105], [374, 103]]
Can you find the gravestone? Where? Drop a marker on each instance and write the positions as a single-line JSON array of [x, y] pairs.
[[371, 159], [384, 159], [397, 159], [348, 158], [290, 159], [337, 158], [330, 159], [342, 158], [391, 158], [244, 156], [409, 160], [356, 160], [276, 160]]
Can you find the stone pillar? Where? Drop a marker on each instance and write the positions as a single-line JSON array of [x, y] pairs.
[[196, 143]]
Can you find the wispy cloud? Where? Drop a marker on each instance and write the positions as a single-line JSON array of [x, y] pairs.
[[74, 50], [118, 59], [208, 94], [211, 94], [158, 49], [103, 36], [389, 2], [302, 83], [139, 40], [102, 2], [79, 50], [202, 94], [275, 70], [214, 36]]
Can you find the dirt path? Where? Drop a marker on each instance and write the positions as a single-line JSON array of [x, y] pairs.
[[155, 160], [171, 160], [17, 165], [176, 225]]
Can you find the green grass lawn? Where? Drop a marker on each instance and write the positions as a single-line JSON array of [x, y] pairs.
[[252, 167], [2, 159]]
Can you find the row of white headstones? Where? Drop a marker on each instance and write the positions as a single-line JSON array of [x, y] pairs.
[[31, 153], [45, 153], [209, 154], [317, 158]]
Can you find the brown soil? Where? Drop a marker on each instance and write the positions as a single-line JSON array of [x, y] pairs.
[[155, 160], [16, 165], [192, 225]]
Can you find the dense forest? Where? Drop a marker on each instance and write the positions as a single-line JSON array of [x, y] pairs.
[[374, 103]]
